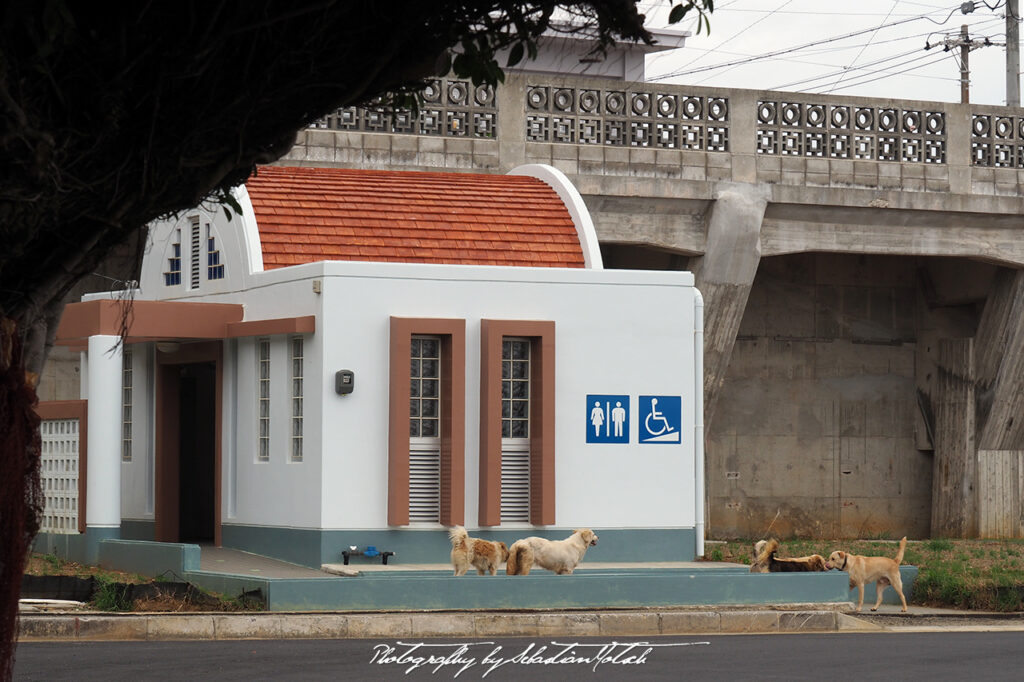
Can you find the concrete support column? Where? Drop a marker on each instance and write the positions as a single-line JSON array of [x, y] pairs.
[[999, 358], [103, 487], [955, 466], [724, 276], [511, 100]]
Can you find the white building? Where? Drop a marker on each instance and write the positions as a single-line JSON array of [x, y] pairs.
[[362, 358]]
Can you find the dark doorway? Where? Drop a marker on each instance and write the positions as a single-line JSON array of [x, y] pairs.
[[196, 451]]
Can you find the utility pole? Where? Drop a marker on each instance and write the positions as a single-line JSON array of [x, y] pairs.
[[964, 42], [965, 70], [1012, 54]]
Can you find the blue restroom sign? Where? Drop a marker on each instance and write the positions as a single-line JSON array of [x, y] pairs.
[[607, 418], [660, 419]]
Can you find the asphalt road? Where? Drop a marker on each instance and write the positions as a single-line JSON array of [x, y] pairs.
[[909, 656]]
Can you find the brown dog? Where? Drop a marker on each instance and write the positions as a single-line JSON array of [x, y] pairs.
[[765, 560], [559, 556], [880, 570], [483, 555]]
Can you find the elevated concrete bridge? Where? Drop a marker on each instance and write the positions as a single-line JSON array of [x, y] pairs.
[[861, 261]]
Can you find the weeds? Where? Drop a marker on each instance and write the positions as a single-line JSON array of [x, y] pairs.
[[110, 596], [966, 574]]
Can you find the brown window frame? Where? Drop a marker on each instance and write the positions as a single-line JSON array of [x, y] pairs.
[[453, 417], [541, 334]]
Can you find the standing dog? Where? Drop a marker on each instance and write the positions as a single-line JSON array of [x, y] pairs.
[[484, 555], [765, 560], [560, 556], [880, 570]]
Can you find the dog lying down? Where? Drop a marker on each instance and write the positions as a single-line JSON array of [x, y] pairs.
[[880, 570], [559, 556], [483, 555], [765, 560]]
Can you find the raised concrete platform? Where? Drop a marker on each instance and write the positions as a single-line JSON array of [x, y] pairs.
[[373, 587]]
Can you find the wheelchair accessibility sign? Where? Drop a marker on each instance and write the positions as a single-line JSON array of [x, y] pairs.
[[660, 419]]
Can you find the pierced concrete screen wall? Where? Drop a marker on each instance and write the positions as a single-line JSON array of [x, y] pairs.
[[996, 141], [451, 108], [60, 465], [633, 117], [840, 131]]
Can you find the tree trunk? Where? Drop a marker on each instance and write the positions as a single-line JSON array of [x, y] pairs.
[[21, 499]]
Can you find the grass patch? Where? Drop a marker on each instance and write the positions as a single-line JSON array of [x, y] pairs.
[[114, 589], [965, 574]]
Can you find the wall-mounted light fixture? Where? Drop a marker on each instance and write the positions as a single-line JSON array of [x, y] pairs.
[[168, 346], [344, 381]]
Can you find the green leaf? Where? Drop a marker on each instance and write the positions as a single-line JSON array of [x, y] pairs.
[[516, 55], [678, 12]]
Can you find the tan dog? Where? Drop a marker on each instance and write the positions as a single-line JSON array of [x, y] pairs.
[[765, 560], [880, 570], [560, 556], [483, 555]]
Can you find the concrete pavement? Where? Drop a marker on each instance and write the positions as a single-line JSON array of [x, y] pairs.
[[78, 625]]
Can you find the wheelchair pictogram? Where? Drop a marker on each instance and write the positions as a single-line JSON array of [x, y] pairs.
[[656, 416], [661, 419]]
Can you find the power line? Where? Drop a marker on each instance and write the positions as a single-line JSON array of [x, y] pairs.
[[855, 59], [684, 72], [846, 69], [855, 84], [741, 32], [889, 72]]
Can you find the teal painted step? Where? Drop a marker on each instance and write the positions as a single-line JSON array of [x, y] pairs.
[[437, 589], [579, 590]]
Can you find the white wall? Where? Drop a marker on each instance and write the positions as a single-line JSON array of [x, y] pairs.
[[618, 332], [237, 240]]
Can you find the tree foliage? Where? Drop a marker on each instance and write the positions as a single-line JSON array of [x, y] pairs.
[[115, 113]]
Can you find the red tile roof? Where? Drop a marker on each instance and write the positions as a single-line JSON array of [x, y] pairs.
[[309, 214]]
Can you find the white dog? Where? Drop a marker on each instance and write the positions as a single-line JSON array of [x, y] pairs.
[[560, 556]]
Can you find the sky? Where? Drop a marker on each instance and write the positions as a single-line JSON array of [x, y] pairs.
[[886, 58]]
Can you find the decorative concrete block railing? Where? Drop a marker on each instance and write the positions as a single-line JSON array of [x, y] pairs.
[[627, 115], [63, 466], [451, 108], [823, 129], [603, 127], [997, 139]]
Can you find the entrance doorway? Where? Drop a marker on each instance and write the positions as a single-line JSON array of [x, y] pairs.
[[188, 444], [196, 452]]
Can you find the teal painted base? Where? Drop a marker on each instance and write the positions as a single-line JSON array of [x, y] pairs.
[[314, 547], [80, 547], [431, 589]]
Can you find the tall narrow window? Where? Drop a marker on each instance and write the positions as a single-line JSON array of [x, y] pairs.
[[517, 422], [425, 429], [515, 430], [297, 370], [263, 399], [126, 404], [427, 421], [214, 268], [195, 253], [173, 274]]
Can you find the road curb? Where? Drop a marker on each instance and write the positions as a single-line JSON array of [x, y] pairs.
[[227, 626]]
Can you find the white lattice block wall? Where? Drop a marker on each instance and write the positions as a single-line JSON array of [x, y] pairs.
[[60, 475]]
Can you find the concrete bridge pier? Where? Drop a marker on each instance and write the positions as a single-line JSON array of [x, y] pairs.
[[978, 476], [725, 275]]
